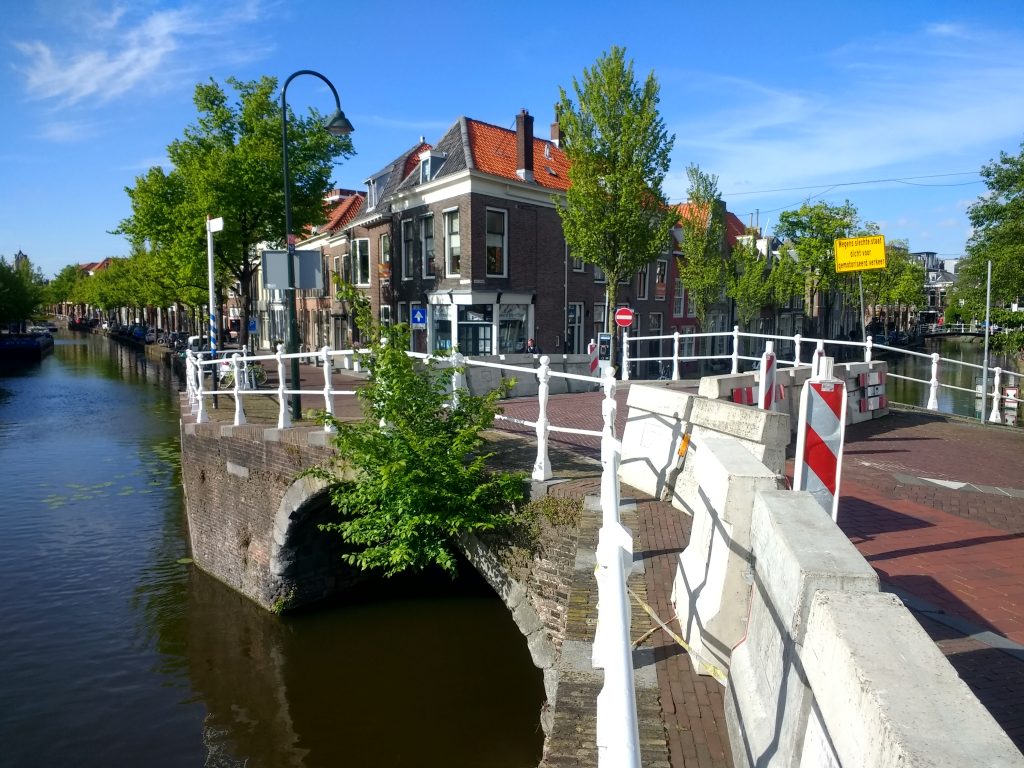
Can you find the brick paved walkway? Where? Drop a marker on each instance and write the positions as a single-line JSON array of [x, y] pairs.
[[936, 506]]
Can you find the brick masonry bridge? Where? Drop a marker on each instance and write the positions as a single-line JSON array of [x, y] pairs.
[[930, 502]]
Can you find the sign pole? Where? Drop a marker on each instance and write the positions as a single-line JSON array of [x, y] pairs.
[[863, 322], [212, 225]]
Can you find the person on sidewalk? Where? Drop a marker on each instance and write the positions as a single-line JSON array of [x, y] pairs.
[[531, 347]]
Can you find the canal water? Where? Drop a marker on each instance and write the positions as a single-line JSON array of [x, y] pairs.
[[115, 650], [963, 403]]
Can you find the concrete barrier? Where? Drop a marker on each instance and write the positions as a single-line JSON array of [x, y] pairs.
[[658, 418]]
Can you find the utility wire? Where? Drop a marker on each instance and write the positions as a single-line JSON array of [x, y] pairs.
[[901, 180]]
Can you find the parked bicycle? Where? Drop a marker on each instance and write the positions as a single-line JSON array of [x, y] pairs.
[[254, 376]]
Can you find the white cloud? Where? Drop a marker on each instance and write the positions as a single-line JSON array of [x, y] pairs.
[[111, 54], [67, 131], [939, 93]]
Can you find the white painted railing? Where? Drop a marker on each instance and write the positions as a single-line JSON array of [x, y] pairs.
[[999, 398], [617, 729]]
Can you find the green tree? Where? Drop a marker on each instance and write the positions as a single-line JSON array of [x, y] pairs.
[[748, 283], [702, 264], [60, 289], [811, 231], [229, 164], [900, 284], [22, 292], [998, 235], [615, 214], [411, 477]]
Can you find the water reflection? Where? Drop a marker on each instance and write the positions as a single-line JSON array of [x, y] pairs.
[[116, 651], [964, 401]]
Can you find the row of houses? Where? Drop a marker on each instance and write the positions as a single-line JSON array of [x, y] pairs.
[[462, 240]]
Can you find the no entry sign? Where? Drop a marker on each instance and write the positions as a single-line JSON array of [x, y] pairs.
[[624, 317]]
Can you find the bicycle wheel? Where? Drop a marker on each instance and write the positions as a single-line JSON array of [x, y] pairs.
[[259, 375]]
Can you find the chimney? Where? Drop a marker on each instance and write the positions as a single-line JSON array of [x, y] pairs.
[[556, 131], [524, 145]]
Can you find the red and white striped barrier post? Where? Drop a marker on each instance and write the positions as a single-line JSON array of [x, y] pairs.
[[592, 351], [766, 393], [821, 428]]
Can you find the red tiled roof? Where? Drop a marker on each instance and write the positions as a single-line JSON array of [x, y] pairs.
[[494, 152], [344, 211], [734, 228], [412, 162]]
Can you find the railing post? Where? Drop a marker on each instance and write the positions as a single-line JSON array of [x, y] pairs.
[[868, 343], [933, 388], [675, 356], [284, 418], [325, 355], [236, 366], [190, 380], [201, 415], [735, 349], [796, 350], [617, 732], [625, 354], [994, 417], [819, 353], [542, 466], [458, 380]]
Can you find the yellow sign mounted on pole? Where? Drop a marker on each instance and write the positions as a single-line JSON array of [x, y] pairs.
[[854, 254]]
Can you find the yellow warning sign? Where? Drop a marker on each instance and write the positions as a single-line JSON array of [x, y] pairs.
[[856, 253]]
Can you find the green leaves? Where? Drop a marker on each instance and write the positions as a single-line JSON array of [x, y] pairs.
[[702, 247], [615, 215], [412, 477]]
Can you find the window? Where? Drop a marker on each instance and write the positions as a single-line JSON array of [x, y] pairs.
[[686, 342], [512, 327], [337, 271], [599, 316], [441, 315], [660, 271], [577, 264], [408, 244], [599, 275], [452, 246], [385, 249], [497, 265], [691, 308], [375, 189], [385, 315], [641, 285], [361, 261], [679, 299], [427, 238]]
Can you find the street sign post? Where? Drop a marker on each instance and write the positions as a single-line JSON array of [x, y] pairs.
[[624, 317]]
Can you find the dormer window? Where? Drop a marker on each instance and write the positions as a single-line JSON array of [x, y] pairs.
[[375, 189], [430, 163]]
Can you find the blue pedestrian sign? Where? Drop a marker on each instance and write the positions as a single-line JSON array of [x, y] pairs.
[[419, 318]]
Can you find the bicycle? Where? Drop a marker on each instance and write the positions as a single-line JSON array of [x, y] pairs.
[[254, 376], [664, 371]]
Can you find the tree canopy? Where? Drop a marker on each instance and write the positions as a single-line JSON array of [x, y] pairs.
[[22, 291], [615, 214], [998, 221], [228, 164], [702, 248]]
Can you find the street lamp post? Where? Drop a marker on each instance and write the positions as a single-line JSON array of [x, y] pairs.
[[338, 125]]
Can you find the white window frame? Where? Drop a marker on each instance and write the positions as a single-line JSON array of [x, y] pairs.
[[408, 249], [447, 217], [504, 242], [599, 275], [385, 315], [679, 299], [384, 254], [425, 221], [357, 262]]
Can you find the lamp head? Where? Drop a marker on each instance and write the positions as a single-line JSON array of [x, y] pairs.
[[339, 125]]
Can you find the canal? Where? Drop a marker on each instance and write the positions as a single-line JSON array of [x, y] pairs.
[[964, 349], [115, 650]]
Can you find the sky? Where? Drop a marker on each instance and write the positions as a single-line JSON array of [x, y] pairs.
[[894, 106]]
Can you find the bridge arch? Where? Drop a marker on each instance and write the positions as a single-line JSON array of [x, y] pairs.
[[306, 564]]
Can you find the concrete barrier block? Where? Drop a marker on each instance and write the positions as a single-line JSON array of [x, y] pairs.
[[556, 384], [480, 380], [711, 589], [766, 427], [887, 695], [662, 400], [650, 451], [720, 387]]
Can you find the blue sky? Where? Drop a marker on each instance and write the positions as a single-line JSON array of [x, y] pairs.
[[809, 98]]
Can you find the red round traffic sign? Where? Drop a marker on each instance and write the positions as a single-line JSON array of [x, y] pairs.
[[624, 317]]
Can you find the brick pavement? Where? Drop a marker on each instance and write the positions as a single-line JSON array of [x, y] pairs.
[[935, 504]]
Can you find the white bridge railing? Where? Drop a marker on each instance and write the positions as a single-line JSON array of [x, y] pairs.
[[617, 731], [617, 735], [1000, 397]]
